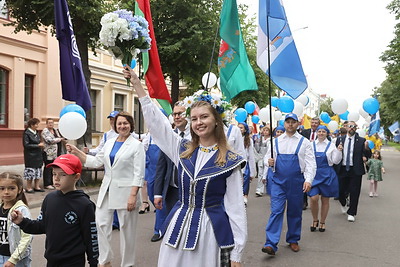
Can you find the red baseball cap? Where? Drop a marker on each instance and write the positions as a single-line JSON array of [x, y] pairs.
[[69, 163]]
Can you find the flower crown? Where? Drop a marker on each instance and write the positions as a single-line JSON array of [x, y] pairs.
[[223, 107]]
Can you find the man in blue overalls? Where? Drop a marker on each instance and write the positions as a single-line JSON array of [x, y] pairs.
[[294, 170]]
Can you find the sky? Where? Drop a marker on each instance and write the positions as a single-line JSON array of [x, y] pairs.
[[339, 43]]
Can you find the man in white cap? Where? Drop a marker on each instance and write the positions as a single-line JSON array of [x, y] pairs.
[[294, 170]]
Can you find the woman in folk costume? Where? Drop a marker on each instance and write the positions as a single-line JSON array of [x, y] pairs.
[[207, 226], [325, 183]]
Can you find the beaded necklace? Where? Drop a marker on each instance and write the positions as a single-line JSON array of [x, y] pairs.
[[208, 149]]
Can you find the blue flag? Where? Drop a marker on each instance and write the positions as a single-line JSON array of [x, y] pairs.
[[375, 124], [73, 81], [284, 63], [395, 128]]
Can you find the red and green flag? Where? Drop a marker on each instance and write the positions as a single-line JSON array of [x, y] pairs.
[[235, 72], [151, 62]]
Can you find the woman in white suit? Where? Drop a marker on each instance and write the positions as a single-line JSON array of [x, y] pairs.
[[123, 159]]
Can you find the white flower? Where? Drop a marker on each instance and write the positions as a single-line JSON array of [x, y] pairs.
[[188, 101], [216, 101]]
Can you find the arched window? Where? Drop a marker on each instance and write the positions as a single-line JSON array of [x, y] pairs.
[[3, 97]]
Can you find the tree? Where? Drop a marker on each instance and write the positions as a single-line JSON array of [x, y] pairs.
[[388, 92], [325, 105], [185, 32]]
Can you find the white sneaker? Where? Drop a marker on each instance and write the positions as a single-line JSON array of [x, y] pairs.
[[344, 209], [245, 201], [371, 194], [351, 218]]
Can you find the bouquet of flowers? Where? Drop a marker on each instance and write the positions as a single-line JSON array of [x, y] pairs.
[[124, 34], [223, 107]]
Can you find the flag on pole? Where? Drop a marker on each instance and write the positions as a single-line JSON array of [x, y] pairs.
[[375, 124], [73, 83], [153, 74], [395, 128], [235, 71], [284, 63]]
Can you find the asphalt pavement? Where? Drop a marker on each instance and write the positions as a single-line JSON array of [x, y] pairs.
[[369, 241]]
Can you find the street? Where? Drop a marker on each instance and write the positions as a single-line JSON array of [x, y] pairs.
[[369, 241]]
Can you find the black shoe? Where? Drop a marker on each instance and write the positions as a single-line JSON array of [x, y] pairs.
[[156, 237], [38, 190], [146, 209], [115, 227], [305, 205]]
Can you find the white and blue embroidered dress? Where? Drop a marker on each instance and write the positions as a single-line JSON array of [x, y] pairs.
[[210, 213]]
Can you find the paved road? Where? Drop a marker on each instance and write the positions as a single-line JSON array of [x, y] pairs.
[[372, 240]]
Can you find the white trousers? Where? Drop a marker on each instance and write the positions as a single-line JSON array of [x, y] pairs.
[[127, 233], [260, 185]]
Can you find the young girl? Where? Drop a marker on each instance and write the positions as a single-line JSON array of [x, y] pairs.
[[375, 172], [15, 245]]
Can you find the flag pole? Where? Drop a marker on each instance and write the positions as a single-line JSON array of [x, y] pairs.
[[212, 55], [269, 83]]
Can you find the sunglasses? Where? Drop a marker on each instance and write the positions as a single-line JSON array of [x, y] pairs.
[[179, 114], [351, 126]]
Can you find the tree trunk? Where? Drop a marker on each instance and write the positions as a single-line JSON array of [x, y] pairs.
[[175, 88]]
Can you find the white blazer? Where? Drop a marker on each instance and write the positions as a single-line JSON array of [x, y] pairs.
[[126, 171]]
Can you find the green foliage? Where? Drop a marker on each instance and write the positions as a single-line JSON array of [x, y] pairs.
[[86, 15], [388, 92], [325, 105]]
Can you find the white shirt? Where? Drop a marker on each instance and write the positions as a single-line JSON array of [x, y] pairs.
[[345, 148], [333, 155], [288, 144]]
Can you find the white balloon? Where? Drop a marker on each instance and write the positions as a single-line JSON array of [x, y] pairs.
[[353, 116], [333, 126], [368, 120], [264, 114], [363, 113], [303, 99], [72, 125], [212, 80], [298, 108], [339, 106], [361, 132], [277, 115]]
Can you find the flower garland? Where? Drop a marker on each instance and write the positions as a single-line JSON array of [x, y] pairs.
[[122, 34], [223, 107]]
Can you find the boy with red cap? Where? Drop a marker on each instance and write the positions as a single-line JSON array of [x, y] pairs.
[[67, 217]]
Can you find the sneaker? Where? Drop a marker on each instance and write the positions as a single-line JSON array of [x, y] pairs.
[[371, 194], [258, 194], [245, 201], [344, 209], [351, 218]]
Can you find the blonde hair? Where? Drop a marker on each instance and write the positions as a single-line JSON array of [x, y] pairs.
[[218, 132]]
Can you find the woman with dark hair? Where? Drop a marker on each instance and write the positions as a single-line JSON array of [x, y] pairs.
[[249, 171], [33, 156], [207, 226], [123, 158]]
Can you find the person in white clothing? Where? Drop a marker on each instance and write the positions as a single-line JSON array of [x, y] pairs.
[[207, 226], [260, 147]]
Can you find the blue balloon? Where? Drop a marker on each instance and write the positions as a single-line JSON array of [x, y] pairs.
[[371, 144], [286, 104], [73, 108], [344, 115], [240, 115], [325, 117], [255, 119], [250, 107], [274, 101], [133, 63], [371, 105], [282, 122]]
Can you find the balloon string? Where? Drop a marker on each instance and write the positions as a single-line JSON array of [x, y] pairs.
[[84, 140]]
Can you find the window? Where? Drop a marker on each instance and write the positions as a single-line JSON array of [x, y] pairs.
[[119, 102], [3, 97], [3, 10], [28, 100], [93, 96]]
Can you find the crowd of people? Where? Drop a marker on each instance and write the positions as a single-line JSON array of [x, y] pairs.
[[195, 172]]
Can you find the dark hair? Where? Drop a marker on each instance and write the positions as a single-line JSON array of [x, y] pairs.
[[127, 116], [377, 151], [219, 134], [32, 122], [19, 182], [49, 119]]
